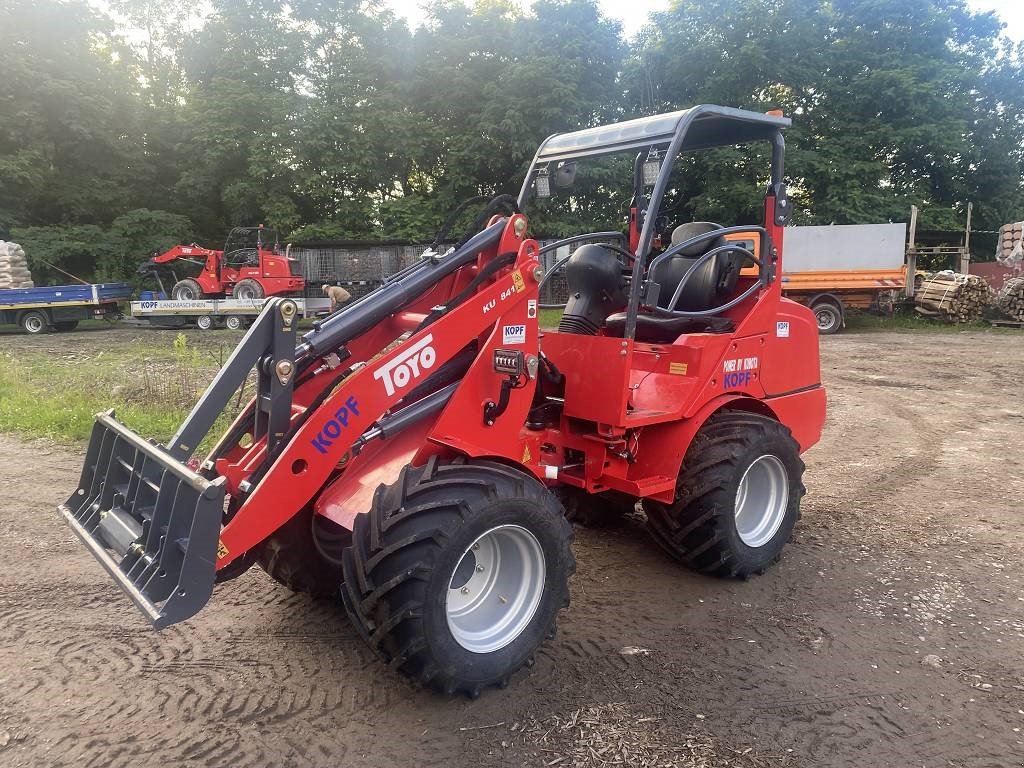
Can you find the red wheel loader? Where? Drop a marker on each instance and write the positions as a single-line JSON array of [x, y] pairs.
[[251, 266], [414, 452]]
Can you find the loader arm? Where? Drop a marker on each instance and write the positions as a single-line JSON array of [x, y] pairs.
[[163, 531]]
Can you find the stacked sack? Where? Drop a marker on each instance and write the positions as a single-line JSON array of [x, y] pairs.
[[1010, 245], [14, 267]]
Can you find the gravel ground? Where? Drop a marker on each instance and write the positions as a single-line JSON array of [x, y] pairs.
[[890, 634]]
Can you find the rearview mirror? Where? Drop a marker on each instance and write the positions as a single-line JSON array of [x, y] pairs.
[[565, 175]]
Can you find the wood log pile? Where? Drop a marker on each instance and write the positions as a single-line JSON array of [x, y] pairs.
[[953, 297], [1011, 299], [14, 267]]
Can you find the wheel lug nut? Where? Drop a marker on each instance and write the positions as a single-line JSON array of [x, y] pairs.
[[477, 545], [480, 569], [503, 598], [465, 590]]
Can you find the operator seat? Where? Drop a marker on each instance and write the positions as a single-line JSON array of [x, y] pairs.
[[710, 286]]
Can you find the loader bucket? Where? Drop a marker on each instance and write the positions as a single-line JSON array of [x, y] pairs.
[[152, 522]]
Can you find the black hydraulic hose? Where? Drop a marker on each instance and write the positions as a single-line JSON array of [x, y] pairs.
[[446, 228], [502, 260], [505, 204]]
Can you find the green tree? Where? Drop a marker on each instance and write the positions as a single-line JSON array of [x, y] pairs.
[[70, 146]]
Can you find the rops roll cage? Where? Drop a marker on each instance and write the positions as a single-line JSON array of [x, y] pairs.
[[700, 127]]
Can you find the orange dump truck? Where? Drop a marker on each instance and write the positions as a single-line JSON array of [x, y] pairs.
[[833, 268]]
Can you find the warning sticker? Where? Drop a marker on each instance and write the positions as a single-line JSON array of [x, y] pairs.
[[782, 329], [531, 308], [222, 551], [513, 334], [517, 278], [527, 457], [678, 369]]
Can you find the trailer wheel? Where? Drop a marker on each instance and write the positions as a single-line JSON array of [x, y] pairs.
[[204, 322], [34, 322], [458, 572], [737, 498], [828, 316], [187, 290], [233, 323], [248, 290], [65, 325], [304, 554]]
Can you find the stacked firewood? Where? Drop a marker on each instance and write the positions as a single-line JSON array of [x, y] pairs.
[[953, 297], [1011, 299]]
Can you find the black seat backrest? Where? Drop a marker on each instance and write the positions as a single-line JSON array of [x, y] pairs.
[[714, 280]]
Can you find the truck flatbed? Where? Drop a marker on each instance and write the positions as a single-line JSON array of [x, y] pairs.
[[60, 307]]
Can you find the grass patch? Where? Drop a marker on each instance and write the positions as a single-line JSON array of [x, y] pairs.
[[151, 387], [911, 321]]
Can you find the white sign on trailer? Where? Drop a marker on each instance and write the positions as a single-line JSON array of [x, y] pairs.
[[844, 247]]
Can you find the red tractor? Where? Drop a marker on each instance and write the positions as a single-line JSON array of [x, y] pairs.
[[416, 451], [251, 266]]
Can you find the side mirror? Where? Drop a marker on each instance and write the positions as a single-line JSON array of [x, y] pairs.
[[565, 175]]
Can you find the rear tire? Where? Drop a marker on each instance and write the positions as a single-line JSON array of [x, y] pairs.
[[737, 498], [292, 558], [187, 290], [34, 323], [438, 558], [248, 290], [829, 318]]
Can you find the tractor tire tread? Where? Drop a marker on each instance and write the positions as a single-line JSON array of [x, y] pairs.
[[693, 528], [386, 560]]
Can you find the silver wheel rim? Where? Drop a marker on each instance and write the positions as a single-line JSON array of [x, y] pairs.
[[761, 501], [233, 323], [826, 319], [185, 293], [204, 323], [495, 589], [33, 324]]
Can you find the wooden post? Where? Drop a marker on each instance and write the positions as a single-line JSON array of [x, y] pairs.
[[908, 289], [965, 257]]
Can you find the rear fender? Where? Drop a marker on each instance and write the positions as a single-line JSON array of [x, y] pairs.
[[663, 446]]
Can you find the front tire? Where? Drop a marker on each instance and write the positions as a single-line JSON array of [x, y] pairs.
[[187, 290], [458, 572], [304, 554], [737, 498]]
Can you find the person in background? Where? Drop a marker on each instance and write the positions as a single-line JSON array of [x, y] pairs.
[[337, 295]]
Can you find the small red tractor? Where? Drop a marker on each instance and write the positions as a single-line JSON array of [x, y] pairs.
[[251, 266], [416, 450]]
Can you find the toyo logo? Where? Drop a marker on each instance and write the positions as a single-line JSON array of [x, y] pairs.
[[408, 366]]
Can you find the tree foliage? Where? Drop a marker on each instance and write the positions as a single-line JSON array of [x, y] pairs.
[[166, 120]]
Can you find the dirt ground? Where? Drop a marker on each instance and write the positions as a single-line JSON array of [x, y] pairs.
[[891, 634]]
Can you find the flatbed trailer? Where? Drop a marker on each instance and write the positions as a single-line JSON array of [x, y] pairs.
[[214, 313], [60, 307]]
